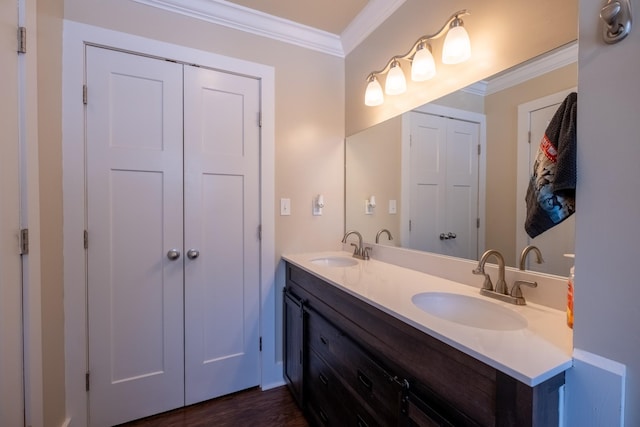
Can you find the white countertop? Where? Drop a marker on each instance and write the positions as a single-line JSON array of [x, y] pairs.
[[531, 355]]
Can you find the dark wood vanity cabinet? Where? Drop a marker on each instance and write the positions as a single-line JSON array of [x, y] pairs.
[[349, 363], [294, 349]]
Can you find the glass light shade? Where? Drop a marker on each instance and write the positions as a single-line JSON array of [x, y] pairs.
[[395, 83], [423, 66], [373, 95], [457, 46]]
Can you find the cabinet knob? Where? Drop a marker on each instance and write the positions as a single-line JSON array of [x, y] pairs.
[[173, 254]]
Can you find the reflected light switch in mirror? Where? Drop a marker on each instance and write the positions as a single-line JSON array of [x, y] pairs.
[[392, 207]]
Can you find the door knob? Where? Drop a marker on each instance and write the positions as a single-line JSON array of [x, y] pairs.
[[173, 254], [193, 253]]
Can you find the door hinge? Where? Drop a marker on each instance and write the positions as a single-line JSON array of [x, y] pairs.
[[22, 40], [260, 119], [24, 241], [260, 232], [86, 239], [477, 222], [479, 149], [86, 381], [84, 94], [260, 343], [529, 137], [409, 225]]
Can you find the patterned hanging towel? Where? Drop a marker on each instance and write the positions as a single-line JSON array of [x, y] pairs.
[[552, 188]]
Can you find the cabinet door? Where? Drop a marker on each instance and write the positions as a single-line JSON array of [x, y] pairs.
[[418, 413], [293, 322]]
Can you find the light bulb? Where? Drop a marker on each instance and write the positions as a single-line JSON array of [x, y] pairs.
[[373, 96], [395, 83], [423, 66], [457, 46]]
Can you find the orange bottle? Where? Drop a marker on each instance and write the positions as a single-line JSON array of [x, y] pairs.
[[570, 298]]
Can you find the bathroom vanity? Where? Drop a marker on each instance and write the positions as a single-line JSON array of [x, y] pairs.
[[358, 351]]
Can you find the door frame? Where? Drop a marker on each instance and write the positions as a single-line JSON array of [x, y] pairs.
[[454, 113], [76, 37]]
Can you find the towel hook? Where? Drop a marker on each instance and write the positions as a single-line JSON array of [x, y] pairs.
[[616, 15]]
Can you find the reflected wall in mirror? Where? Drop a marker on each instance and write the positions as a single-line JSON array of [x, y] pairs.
[[454, 201]]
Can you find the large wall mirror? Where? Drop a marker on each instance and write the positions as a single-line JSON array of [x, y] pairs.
[[450, 177]]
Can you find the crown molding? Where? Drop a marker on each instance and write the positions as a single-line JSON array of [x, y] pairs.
[[252, 21], [557, 58], [369, 18]]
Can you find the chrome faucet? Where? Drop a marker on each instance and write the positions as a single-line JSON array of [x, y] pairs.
[[501, 285], [501, 291], [384, 230], [359, 250], [525, 252]]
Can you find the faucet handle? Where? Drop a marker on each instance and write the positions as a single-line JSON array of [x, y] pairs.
[[487, 285], [365, 252], [517, 292], [356, 249]]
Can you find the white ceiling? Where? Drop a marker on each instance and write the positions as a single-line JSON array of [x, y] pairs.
[[335, 27]]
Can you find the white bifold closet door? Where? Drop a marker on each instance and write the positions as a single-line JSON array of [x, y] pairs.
[[444, 185], [172, 217]]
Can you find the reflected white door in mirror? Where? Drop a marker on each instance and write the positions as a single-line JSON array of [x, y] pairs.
[[533, 119], [443, 185]]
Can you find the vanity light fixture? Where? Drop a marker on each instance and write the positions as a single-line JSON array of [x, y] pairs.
[[456, 49], [317, 205], [369, 205]]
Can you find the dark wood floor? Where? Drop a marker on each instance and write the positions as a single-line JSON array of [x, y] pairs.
[[253, 407]]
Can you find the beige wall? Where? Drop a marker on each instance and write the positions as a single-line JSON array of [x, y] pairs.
[[309, 134], [607, 288], [501, 111], [503, 33], [373, 168], [49, 59], [309, 110]]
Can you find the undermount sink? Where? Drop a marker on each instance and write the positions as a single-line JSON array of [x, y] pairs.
[[335, 261], [469, 311]]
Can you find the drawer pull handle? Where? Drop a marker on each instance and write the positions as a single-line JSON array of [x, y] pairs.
[[324, 417], [323, 379], [361, 422], [323, 339], [364, 381]]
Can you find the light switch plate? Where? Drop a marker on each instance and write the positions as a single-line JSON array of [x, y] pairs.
[[285, 207], [393, 207]]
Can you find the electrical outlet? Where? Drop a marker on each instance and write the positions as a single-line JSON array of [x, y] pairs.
[[393, 207]]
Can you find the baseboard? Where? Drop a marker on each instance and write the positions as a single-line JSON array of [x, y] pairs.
[[595, 391]]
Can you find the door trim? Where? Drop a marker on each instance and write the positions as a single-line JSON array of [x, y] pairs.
[[76, 37], [439, 110]]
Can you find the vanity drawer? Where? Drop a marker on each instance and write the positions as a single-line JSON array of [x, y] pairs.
[[364, 376], [332, 403]]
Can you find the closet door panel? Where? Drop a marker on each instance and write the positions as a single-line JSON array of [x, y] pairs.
[[222, 289], [134, 217]]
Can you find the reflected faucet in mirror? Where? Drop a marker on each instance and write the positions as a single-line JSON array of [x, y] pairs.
[[384, 230], [525, 252]]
